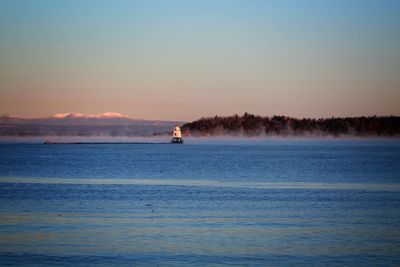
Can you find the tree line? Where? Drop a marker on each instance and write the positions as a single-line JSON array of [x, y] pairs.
[[254, 125]]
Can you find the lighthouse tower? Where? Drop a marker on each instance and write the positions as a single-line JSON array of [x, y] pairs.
[[177, 135]]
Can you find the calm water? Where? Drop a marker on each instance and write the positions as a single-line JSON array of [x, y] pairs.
[[273, 202]]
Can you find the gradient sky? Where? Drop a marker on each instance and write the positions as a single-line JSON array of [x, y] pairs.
[[182, 60]]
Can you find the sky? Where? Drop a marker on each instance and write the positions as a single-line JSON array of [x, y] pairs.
[[182, 60]]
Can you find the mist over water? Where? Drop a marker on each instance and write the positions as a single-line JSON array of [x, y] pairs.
[[86, 139], [222, 139]]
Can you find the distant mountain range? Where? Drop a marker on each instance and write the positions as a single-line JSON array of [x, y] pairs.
[[77, 124]]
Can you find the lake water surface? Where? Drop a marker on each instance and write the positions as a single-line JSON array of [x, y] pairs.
[[268, 202]]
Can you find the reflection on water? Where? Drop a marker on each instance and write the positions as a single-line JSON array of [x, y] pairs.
[[255, 220], [177, 223]]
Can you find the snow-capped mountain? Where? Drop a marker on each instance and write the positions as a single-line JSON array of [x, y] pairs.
[[102, 119], [106, 115]]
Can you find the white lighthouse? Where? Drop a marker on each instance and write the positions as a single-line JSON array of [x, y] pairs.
[[177, 136]]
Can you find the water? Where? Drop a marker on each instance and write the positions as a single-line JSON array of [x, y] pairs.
[[271, 202]]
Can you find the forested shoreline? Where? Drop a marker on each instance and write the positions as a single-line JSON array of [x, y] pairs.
[[255, 125]]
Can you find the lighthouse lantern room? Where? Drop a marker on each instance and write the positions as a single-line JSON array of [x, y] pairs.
[[177, 135]]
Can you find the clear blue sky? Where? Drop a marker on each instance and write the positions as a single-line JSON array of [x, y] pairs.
[[186, 59]]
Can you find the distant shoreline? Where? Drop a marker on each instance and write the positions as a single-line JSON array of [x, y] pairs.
[[105, 143], [250, 125], [246, 125]]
